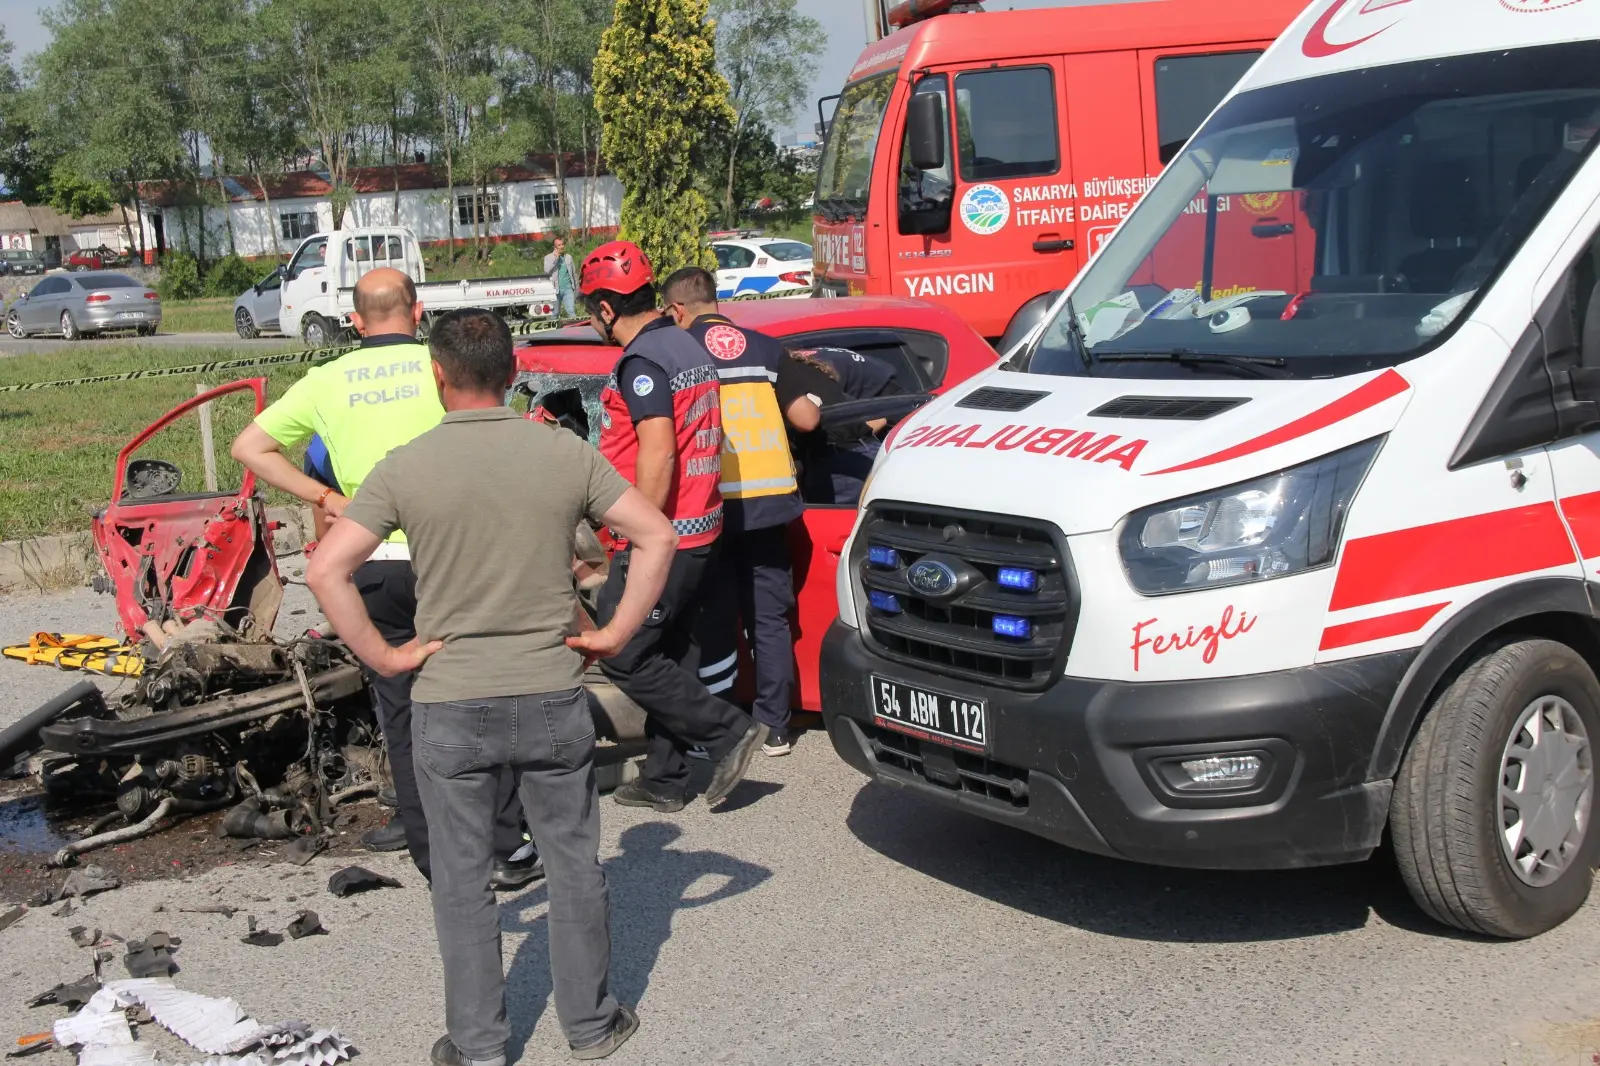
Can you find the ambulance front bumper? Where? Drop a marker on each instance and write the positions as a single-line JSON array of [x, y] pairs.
[[1098, 765]]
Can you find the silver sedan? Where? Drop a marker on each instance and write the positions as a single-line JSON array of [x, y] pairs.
[[73, 305]]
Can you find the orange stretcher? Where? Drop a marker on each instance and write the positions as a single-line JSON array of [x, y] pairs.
[[79, 651]]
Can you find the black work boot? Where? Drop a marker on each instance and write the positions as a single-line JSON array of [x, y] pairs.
[[391, 836], [641, 793], [730, 770], [626, 1025], [512, 874]]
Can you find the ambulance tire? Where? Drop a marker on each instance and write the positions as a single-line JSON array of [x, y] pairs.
[[1445, 816]]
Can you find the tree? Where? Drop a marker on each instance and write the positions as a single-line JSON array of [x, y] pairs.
[[765, 48], [22, 173], [111, 121], [323, 53], [657, 89]]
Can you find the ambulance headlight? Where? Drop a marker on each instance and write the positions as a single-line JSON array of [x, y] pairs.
[[1282, 524]]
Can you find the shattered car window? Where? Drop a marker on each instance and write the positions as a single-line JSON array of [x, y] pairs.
[[574, 399]]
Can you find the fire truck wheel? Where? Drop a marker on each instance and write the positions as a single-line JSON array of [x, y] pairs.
[[1493, 807]]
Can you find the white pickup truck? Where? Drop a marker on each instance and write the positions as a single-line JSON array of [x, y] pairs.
[[318, 287]]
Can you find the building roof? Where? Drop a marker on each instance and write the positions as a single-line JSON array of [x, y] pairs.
[[315, 184], [17, 217]]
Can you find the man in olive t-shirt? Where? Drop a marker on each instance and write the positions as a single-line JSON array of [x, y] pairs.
[[362, 406], [499, 682]]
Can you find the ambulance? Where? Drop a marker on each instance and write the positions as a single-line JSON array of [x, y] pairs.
[[1281, 572]]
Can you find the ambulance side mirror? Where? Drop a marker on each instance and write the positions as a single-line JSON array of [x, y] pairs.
[[926, 131]]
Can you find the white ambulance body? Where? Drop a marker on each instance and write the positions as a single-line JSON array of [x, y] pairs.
[[1252, 554]]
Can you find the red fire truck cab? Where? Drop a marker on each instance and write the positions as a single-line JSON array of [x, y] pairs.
[[979, 159]]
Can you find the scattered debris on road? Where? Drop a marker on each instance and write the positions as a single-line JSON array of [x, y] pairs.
[[12, 916], [152, 956], [305, 924], [215, 1027], [353, 879]]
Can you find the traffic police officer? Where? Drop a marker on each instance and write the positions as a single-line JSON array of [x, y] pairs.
[[362, 406]]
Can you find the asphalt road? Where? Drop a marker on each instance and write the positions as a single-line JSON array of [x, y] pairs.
[[821, 920], [38, 345]]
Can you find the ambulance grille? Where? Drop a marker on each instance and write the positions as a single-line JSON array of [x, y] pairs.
[[954, 634], [1175, 408], [989, 398]]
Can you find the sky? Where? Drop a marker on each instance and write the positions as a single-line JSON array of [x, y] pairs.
[[843, 20]]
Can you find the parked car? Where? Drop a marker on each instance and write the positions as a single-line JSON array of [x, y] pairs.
[[97, 259], [760, 265], [23, 261], [79, 304], [255, 311]]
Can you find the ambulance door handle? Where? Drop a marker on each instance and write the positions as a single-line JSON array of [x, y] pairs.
[[325, 284], [1049, 242]]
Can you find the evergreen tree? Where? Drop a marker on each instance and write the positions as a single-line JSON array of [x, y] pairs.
[[657, 90]]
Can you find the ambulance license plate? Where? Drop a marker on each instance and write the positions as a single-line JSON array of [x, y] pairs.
[[934, 716]]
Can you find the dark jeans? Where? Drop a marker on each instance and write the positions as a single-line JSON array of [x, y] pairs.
[[389, 590], [464, 749], [657, 670], [752, 588]]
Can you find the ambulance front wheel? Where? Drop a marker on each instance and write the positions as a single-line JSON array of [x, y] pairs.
[[1493, 808]]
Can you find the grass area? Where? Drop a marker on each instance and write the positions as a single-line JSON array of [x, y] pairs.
[[212, 314], [58, 447]]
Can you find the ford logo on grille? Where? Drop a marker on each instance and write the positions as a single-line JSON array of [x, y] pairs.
[[933, 578]]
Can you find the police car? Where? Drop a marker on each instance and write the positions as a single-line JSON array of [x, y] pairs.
[[749, 266]]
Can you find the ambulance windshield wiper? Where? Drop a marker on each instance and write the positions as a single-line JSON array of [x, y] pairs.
[[1261, 366]]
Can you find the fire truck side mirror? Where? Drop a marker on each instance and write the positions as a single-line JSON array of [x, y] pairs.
[[925, 126]]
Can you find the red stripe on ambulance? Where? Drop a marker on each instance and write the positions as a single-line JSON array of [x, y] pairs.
[[1385, 625], [1583, 516], [1443, 555], [1385, 386]]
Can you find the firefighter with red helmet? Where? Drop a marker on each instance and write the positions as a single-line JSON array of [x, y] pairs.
[[661, 427]]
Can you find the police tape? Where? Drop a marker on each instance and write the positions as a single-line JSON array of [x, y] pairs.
[[309, 355]]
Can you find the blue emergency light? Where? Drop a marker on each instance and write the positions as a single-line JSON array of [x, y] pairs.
[[1012, 627], [887, 602], [883, 558], [1012, 577]]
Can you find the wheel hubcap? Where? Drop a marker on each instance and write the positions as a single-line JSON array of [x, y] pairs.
[[1546, 790]]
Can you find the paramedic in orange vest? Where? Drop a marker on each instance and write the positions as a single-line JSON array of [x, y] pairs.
[[760, 498], [661, 427]]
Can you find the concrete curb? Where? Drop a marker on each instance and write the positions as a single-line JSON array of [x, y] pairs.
[[40, 564]]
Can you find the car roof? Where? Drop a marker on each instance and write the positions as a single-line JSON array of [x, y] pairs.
[[758, 242], [579, 350]]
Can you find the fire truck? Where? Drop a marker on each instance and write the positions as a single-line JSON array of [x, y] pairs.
[[979, 159]]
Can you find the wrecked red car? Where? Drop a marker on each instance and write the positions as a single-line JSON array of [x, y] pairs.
[[928, 347]]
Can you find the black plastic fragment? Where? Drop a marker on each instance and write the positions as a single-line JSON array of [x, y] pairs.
[[306, 923], [353, 879]]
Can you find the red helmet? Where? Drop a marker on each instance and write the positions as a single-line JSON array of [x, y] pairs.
[[620, 267]]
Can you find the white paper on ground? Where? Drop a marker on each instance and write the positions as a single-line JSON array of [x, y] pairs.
[[216, 1027]]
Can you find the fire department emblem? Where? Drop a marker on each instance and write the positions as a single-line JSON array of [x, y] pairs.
[[1536, 6], [1262, 203], [725, 342]]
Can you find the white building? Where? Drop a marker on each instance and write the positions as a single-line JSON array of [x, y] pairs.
[[521, 202]]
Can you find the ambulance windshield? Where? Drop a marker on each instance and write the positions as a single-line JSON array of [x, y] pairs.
[[845, 176], [1333, 224]]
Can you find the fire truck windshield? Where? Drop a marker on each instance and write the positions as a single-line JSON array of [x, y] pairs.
[[844, 181], [1333, 224]]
